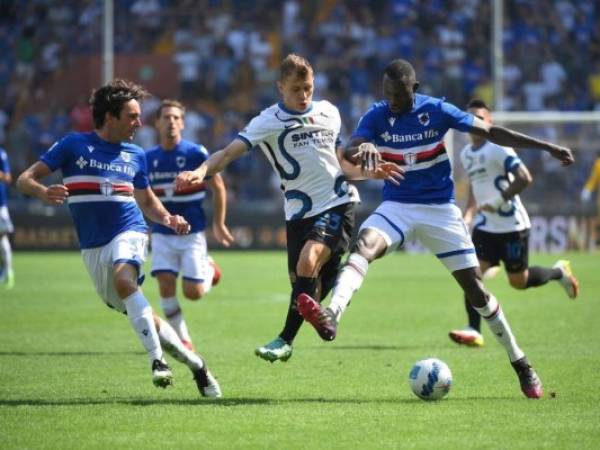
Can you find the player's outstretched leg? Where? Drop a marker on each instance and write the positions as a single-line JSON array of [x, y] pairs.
[[174, 315], [568, 280], [530, 382], [206, 382], [276, 350], [141, 319], [321, 318]]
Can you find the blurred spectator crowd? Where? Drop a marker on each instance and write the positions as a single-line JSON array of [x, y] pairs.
[[227, 55]]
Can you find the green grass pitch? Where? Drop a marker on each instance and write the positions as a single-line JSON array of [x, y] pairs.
[[75, 377]]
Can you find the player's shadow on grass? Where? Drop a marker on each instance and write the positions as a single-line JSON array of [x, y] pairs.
[[69, 353], [237, 402], [368, 347]]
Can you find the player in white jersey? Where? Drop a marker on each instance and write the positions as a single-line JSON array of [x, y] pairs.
[[500, 222], [7, 276], [300, 139], [186, 255], [106, 186], [408, 128]]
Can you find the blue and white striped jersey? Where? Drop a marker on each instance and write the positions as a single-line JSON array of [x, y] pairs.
[[163, 167], [101, 177], [415, 140]]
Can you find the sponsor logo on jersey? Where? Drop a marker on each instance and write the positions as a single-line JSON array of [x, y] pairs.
[[412, 137], [106, 188], [410, 158], [392, 120], [81, 162], [111, 167], [90, 148]]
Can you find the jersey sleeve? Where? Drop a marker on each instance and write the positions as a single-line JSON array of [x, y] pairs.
[[255, 132], [506, 158], [140, 179], [58, 155], [366, 125], [458, 119]]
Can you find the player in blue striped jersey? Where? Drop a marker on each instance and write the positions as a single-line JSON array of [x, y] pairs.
[[173, 254], [105, 184], [408, 128], [7, 276]]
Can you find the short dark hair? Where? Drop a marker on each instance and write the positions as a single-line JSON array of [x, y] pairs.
[[477, 103], [111, 98], [294, 65], [170, 103], [399, 69]]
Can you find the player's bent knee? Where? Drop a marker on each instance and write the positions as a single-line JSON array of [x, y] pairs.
[[125, 287], [370, 245], [518, 283], [194, 293]]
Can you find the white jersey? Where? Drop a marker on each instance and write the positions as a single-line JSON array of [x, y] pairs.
[[489, 169], [301, 147]]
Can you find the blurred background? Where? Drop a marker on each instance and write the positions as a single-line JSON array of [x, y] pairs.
[[537, 63]]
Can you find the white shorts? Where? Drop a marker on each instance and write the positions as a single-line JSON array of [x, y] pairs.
[[128, 247], [180, 253], [440, 228], [6, 226]]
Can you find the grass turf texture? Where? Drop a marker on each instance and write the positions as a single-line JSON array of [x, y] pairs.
[[75, 375]]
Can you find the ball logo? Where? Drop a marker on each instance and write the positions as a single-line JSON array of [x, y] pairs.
[[106, 188], [410, 158]]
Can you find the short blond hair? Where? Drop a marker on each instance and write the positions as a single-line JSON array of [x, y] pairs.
[[294, 65], [170, 103]]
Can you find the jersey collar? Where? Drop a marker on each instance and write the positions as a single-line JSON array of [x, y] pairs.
[[292, 112]]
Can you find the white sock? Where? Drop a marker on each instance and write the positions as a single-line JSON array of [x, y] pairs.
[[174, 347], [210, 273], [140, 316], [172, 311], [493, 315], [349, 281], [5, 253]]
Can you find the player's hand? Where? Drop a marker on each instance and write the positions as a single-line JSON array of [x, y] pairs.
[[369, 157], [189, 178], [222, 235], [56, 194], [177, 223], [389, 171], [563, 154]]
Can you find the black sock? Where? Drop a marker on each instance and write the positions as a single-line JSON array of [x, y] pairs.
[[538, 276], [294, 320], [474, 316]]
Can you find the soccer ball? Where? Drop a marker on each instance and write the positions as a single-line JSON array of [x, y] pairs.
[[430, 379]]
